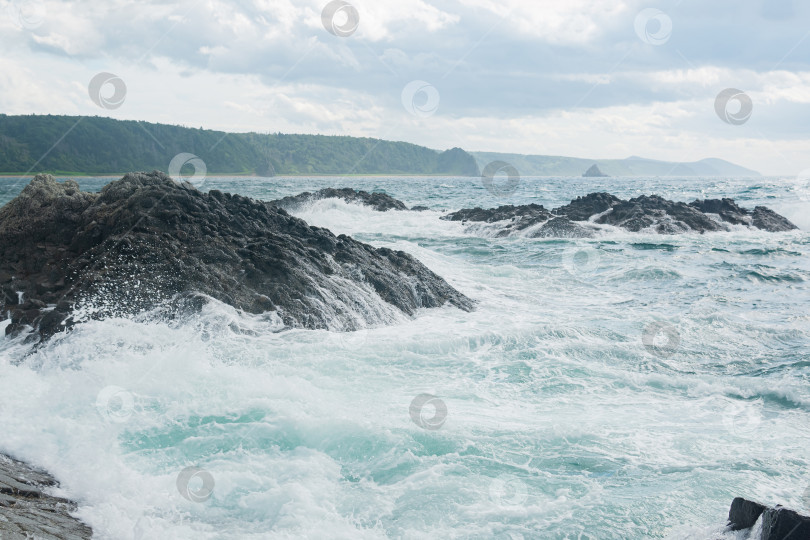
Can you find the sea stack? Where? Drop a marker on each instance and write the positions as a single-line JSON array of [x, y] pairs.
[[594, 172]]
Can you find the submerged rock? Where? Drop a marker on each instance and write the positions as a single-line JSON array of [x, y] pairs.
[[28, 511], [145, 241], [644, 213], [778, 523], [378, 201]]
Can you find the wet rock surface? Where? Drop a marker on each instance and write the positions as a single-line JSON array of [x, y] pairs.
[[644, 213], [778, 523], [761, 217], [28, 511], [378, 201], [145, 241]]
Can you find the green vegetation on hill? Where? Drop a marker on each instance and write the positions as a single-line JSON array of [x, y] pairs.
[[95, 145]]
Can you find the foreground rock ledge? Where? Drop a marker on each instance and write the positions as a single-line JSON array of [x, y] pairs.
[[146, 240], [771, 523], [27, 511]]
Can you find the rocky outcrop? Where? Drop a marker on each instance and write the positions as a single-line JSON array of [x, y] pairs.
[[531, 220], [582, 208], [594, 172], [658, 214], [644, 213], [777, 523], [378, 201], [28, 511], [145, 241], [729, 212]]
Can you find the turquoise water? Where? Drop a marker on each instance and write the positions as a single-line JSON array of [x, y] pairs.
[[560, 422]]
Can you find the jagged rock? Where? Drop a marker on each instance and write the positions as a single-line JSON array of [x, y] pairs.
[[659, 214], [594, 172], [727, 209], [146, 241], [582, 208], [761, 217], [641, 213], [525, 216], [28, 511], [562, 227], [778, 523], [781, 524], [515, 219], [743, 514], [378, 201], [768, 220]]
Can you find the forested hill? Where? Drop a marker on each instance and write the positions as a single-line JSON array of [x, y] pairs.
[[94, 145]]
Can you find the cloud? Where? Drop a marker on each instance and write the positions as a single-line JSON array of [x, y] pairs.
[[539, 75]]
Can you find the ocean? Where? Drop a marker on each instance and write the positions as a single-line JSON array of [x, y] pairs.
[[626, 386]]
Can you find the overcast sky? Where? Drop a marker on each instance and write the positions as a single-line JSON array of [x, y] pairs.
[[585, 78]]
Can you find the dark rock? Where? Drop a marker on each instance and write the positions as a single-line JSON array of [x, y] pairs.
[[778, 523], [562, 227], [727, 209], [656, 213], [514, 219], [743, 514], [144, 241], [768, 220], [28, 511], [642, 213], [378, 201], [419, 208], [526, 215], [581, 208], [783, 524], [761, 218], [594, 172]]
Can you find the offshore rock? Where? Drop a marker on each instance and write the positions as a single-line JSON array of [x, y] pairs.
[[645, 213], [594, 172], [28, 511], [378, 201], [761, 217], [146, 241]]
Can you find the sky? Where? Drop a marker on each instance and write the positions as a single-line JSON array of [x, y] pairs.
[[586, 78]]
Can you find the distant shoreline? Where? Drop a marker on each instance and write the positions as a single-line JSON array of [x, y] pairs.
[[242, 175]]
